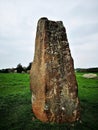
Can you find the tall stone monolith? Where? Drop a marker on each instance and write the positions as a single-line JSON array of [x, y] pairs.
[[52, 78]]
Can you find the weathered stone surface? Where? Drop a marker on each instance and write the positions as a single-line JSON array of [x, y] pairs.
[[52, 78]]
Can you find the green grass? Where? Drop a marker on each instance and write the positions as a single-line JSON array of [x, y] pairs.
[[88, 88], [16, 112]]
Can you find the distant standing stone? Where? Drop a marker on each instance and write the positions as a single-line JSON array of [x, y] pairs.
[[90, 75], [52, 78]]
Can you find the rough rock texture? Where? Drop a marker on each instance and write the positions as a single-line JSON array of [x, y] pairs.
[[52, 78]]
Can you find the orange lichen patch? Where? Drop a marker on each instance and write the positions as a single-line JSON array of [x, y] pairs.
[[38, 109]]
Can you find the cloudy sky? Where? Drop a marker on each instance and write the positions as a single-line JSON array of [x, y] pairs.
[[18, 21]]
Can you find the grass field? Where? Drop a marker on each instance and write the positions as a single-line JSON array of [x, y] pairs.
[[16, 112]]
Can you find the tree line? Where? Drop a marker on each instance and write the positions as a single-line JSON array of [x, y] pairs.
[[87, 70], [21, 69], [18, 69]]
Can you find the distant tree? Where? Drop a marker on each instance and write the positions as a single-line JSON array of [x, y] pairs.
[[29, 66], [24, 69], [19, 68], [4, 71]]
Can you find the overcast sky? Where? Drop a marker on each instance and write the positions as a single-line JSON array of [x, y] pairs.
[[18, 21]]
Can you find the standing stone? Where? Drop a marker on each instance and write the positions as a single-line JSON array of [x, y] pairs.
[[52, 78]]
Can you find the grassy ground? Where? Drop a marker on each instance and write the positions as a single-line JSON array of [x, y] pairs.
[[15, 105]]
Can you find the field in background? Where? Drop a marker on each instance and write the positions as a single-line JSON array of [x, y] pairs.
[[16, 112]]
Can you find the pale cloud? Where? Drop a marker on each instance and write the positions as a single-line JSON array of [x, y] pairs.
[[18, 21], [85, 53]]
